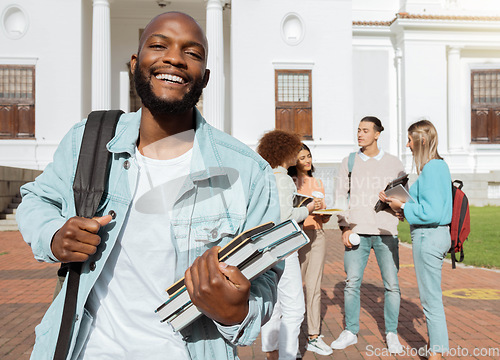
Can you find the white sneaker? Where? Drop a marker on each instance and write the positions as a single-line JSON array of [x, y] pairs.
[[393, 343], [345, 339], [318, 346]]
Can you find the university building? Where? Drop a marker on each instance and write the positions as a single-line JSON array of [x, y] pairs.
[[315, 67]]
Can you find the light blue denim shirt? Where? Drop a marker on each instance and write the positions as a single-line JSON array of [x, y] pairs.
[[230, 189]]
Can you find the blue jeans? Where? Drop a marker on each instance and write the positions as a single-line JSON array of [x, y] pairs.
[[430, 245], [387, 252]]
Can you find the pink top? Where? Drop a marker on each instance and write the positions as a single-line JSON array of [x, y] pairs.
[[307, 185]]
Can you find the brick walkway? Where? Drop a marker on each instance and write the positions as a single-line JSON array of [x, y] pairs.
[[472, 309]]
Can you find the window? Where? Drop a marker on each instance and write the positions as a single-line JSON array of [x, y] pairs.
[[17, 102], [485, 99], [293, 101]]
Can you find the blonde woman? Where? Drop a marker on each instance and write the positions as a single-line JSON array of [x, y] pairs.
[[429, 218]]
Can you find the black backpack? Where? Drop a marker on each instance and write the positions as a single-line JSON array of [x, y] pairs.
[[88, 187]]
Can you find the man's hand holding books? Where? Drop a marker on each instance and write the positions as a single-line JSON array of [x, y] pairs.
[[218, 290], [216, 284]]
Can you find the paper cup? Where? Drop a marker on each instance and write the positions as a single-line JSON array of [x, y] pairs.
[[354, 239], [318, 194]]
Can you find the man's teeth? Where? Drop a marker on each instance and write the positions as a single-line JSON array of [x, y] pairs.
[[169, 77]]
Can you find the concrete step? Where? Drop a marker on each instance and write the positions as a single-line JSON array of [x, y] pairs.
[[8, 222], [8, 216], [8, 227]]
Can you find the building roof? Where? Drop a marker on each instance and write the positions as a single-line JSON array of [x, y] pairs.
[[404, 15]]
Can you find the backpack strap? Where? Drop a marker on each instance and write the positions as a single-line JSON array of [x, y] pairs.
[[93, 162], [350, 166], [454, 257], [88, 187], [459, 184]]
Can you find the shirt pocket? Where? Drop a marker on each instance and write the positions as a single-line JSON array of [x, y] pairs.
[[206, 230], [203, 233], [83, 333], [211, 230], [46, 334]]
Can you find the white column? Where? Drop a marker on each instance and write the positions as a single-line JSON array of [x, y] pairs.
[[124, 91], [401, 134], [101, 56], [213, 96], [456, 126]]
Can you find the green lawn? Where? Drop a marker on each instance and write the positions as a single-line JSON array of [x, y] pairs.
[[483, 246]]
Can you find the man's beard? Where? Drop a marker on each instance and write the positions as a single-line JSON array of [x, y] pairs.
[[159, 106]]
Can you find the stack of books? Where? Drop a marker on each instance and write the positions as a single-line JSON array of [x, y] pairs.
[[253, 252]]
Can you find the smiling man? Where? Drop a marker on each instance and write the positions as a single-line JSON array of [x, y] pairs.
[[179, 189]]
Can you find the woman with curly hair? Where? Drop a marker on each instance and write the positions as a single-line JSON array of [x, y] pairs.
[[280, 335]]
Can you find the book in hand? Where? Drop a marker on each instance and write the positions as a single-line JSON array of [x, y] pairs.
[[253, 252], [327, 211], [400, 193], [301, 200], [398, 184]]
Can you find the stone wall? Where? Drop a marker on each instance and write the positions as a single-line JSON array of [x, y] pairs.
[[481, 189], [11, 179]]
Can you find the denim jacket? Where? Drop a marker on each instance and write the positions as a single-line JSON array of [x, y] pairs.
[[229, 189]]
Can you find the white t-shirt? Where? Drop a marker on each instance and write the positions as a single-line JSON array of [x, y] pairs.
[[140, 267]]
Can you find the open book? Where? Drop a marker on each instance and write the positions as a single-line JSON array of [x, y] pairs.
[[400, 193], [253, 252], [301, 200], [327, 211], [396, 188]]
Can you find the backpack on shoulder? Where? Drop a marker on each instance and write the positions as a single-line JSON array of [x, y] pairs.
[[460, 222], [91, 176], [350, 166]]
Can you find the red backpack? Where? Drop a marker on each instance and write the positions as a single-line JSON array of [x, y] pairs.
[[460, 222]]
